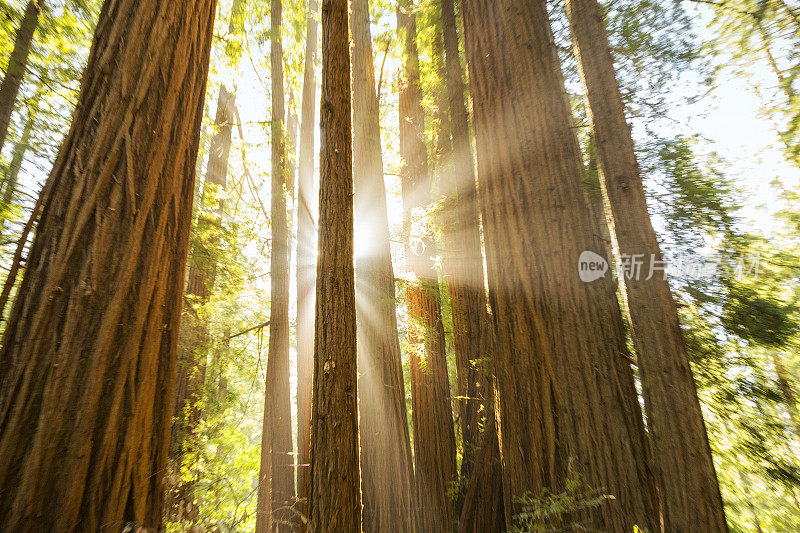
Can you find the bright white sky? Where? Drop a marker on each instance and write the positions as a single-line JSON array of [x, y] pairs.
[[732, 119]]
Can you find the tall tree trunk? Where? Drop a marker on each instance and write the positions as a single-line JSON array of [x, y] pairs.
[[306, 261], [685, 470], [335, 494], [480, 497], [11, 178], [566, 392], [386, 467], [194, 335], [277, 436], [91, 340], [432, 415], [464, 260], [17, 64]]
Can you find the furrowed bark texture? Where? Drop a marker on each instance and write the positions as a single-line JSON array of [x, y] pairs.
[[194, 338], [483, 502], [306, 261], [386, 467], [432, 415], [277, 438], [335, 493], [92, 336], [464, 261], [685, 470], [17, 64], [565, 387], [479, 503]]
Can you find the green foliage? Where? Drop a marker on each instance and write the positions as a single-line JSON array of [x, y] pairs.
[[759, 318], [555, 512], [755, 35]]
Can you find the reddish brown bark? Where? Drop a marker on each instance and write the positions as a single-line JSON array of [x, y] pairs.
[[479, 505], [565, 387], [276, 440], [17, 64], [335, 493], [432, 416], [386, 467], [685, 470], [483, 502], [92, 336], [464, 260], [306, 261]]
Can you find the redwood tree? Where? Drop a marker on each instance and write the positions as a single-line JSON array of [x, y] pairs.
[[432, 416], [464, 260], [685, 470], [386, 467], [91, 341], [335, 495], [17, 63], [566, 393], [306, 260], [276, 440]]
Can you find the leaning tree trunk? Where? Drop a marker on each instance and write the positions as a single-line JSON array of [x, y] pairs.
[[92, 336], [786, 386], [685, 470], [17, 64], [386, 467], [11, 178], [566, 393], [194, 339], [276, 440], [306, 261], [432, 416], [335, 495]]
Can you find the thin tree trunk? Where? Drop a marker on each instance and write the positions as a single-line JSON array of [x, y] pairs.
[[92, 336], [11, 178], [194, 336], [17, 64], [786, 386], [685, 470], [335, 495], [746, 482], [785, 83], [277, 436], [432, 415], [306, 262], [386, 467], [566, 392]]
